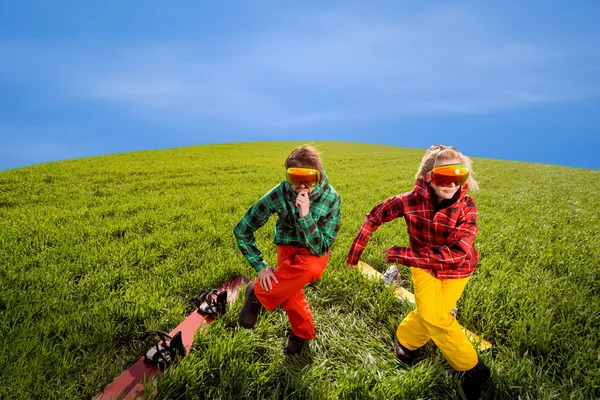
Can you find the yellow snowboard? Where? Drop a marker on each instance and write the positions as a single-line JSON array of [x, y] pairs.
[[407, 296]]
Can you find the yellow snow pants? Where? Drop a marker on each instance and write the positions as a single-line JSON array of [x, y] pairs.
[[435, 300]]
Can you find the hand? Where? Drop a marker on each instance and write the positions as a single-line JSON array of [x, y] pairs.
[[265, 276], [302, 202]]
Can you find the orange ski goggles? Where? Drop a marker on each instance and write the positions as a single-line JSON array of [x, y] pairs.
[[445, 175], [307, 176]]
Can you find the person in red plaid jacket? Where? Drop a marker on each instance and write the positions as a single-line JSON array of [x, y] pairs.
[[441, 221]]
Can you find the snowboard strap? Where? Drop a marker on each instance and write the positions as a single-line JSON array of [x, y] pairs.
[[212, 303], [165, 351]]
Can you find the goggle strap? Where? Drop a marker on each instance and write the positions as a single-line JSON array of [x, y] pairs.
[[427, 177]]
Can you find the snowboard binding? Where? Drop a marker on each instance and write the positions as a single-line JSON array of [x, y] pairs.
[[212, 303], [165, 351]]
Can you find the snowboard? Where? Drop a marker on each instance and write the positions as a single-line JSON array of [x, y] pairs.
[[407, 296], [130, 384]]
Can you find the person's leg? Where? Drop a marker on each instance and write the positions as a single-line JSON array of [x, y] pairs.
[[474, 379], [411, 332], [300, 316], [252, 305], [409, 337], [301, 322], [435, 300], [303, 267], [251, 308], [296, 267], [296, 270]]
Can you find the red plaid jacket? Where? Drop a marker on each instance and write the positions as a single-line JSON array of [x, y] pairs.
[[441, 242]]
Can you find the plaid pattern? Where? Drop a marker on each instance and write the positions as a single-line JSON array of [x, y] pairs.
[[316, 231], [441, 241]]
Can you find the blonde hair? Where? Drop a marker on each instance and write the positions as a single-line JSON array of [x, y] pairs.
[[305, 156], [439, 154]]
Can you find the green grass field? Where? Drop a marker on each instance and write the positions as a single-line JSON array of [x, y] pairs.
[[96, 251]]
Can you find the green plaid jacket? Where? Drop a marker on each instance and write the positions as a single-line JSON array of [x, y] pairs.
[[316, 231]]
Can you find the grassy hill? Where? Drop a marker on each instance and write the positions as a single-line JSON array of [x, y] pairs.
[[95, 251]]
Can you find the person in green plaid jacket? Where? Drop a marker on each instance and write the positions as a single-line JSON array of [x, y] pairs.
[[308, 210]]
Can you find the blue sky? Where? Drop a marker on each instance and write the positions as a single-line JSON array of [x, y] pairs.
[[515, 80]]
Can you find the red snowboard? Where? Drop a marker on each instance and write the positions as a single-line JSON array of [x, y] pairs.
[[130, 384]]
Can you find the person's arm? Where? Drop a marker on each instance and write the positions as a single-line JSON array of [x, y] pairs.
[[452, 255], [387, 211], [319, 235], [254, 218]]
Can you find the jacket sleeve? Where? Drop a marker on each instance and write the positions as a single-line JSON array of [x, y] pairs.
[[254, 218], [458, 248], [387, 211], [319, 235]]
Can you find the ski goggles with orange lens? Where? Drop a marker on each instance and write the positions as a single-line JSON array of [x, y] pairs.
[[307, 176], [445, 175]]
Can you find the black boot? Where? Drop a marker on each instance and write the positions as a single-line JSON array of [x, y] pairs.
[[402, 353], [294, 344], [250, 309], [473, 380]]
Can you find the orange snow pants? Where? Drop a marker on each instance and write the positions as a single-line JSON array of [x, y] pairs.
[[296, 267], [435, 300]]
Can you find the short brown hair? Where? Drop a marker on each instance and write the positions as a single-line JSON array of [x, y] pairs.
[[305, 156]]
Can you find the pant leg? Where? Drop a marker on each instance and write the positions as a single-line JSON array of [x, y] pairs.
[[300, 316], [296, 267], [411, 332], [460, 353], [435, 300]]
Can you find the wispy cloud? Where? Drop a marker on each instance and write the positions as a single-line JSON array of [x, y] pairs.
[[337, 67]]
